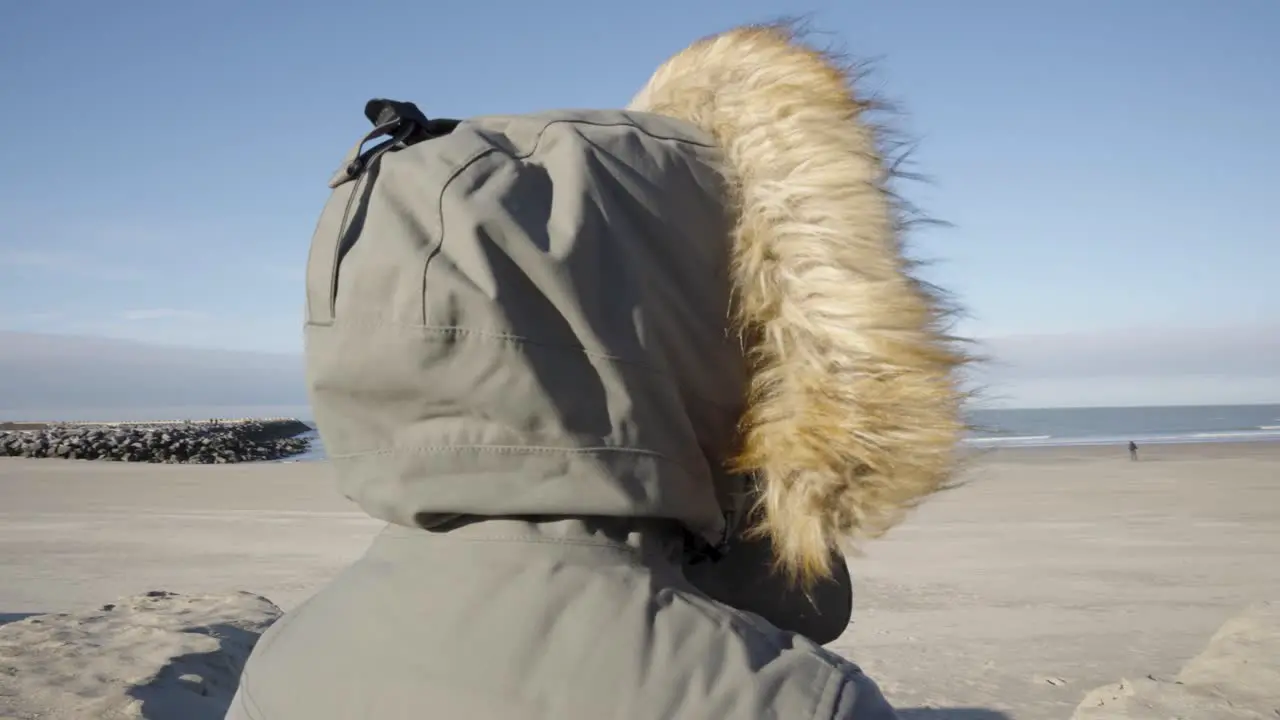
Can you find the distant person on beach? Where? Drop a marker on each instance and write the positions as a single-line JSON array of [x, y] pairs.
[[1133, 450], [566, 355]]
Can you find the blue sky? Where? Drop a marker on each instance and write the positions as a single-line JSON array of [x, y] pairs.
[[1111, 169]]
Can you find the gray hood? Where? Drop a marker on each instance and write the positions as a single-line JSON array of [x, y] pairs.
[[531, 319], [606, 312]]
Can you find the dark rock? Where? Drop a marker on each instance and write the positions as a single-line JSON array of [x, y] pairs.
[[217, 442]]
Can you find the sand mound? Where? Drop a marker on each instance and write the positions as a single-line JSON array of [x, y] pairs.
[[163, 656], [159, 656], [1236, 677]]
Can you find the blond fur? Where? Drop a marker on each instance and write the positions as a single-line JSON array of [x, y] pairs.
[[853, 410]]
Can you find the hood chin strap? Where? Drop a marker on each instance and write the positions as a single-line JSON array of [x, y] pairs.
[[736, 507], [698, 550]]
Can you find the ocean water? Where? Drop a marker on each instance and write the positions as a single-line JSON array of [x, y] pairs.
[[1060, 427], [1143, 425], [315, 452]]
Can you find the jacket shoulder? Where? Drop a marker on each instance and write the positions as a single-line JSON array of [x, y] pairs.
[[764, 672]]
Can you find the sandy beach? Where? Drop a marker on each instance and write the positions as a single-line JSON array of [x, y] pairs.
[[1050, 572]]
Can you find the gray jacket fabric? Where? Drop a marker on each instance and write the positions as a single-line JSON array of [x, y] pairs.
[[528, 353]]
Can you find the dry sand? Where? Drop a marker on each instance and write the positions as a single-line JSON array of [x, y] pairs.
[[1050, 574], [1236, 676], [159, 655]]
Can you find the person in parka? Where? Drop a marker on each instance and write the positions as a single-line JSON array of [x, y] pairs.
[[623, 384]]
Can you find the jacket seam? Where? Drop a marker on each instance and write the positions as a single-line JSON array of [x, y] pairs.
[[515, 339], [823, 710], [743, 623], [523, 540], [520, 539], [247, 703], [490, 149], [627, 121], [512, 450], [737, 620], [463, 167], [486, 334], [503, 450]]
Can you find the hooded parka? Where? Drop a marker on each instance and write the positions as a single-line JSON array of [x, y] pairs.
[[621, 383]]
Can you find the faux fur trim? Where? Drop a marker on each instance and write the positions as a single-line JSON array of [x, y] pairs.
[[853, 409]]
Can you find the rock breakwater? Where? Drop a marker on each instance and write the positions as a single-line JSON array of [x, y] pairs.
[[203, 442]]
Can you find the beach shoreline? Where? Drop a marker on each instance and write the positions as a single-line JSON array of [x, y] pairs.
[[1147, 452], [1046, 573]]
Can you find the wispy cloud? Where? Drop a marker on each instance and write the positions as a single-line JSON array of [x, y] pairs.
[[43, 375], [1241, 351], [67, 377], [64, 262], [145, 314], [1138, 367], [29, 258], [9, 320]]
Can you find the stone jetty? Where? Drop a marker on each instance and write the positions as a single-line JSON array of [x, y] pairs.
[[198, 442]]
